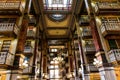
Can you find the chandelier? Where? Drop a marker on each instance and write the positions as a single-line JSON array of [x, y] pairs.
[[59, 59]]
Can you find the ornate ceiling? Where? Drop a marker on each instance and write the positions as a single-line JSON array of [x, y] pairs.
[[57, 17]]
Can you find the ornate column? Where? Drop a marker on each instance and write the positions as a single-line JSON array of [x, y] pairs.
[[75, 59], [44, 58], [105, 69], [85, 74], [21, 41], [70, 60]]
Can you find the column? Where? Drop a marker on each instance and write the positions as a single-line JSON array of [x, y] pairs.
[[21, 42], [8, 75], [105, 69], [75, 59], [35, 48], [44, 58], [70, 61], [85, 74]]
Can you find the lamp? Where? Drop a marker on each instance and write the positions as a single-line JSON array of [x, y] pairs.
[[59, 59], [97, 62], [25, 62], [45, 75]]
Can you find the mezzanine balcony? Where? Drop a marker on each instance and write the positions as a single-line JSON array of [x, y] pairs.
[[27, 70], [9, 29], [92, 68], [107, 7], [84, 21], [28, 51], [114, 56], [6, 60], [89, 49], [86, 34], [110, 28], [30, 34], [11, 7]]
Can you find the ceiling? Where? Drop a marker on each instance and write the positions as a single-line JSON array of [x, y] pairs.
[[57, 31]]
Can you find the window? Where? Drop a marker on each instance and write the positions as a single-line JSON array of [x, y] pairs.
[[57, 1], [54, 73], [57, 4], [54, 70], [112, 44]]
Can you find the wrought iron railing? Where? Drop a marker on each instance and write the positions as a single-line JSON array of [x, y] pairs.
[[92, 67], [11, 5], [30, 34], [90, 48], [110, 26], [6, 58], [107, 5], [9, 27], [28, 49], [86, 33], [114, 55], [27, 70]]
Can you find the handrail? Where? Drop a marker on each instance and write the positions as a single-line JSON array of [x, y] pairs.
[[4, 27], [28, 49], [6, 58], [110, 26], [107, 5], [11, 5], [114, 55]]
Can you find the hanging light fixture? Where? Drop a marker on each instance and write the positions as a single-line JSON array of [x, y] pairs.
[[59, 59]]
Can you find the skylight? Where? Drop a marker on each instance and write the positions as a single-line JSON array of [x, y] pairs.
[[57, 4]]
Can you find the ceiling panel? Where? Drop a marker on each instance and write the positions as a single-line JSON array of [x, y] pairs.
[[50, 23], [57, 32]]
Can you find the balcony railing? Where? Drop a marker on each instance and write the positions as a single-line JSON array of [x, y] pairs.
[[107, 7], [6, 58], [114, 55], [9, 28], [84, 20], [86, 34], [31, 34], [92, 68], [11, 6], [28, 50], [27, 70], [90, 48], [110, 28]]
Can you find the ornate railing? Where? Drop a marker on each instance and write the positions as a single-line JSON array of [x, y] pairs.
[[108, 6], [84, 20], [86, 33], [28, 49], [89, 48], [114, 55], [6, 58], [27, 70], [9, 27], [31, 33], [92, 67], [110, 26], [11, 5]]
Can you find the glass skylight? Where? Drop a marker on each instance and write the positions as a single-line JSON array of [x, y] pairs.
[[57, 4]]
